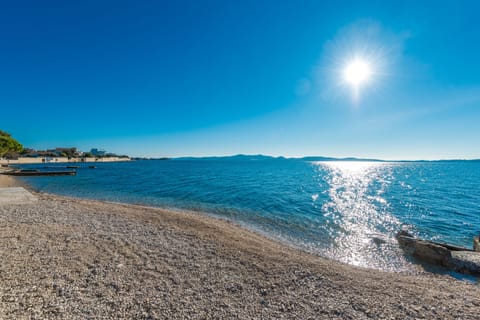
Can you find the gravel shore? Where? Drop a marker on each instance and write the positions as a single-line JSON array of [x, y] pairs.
[[64, 258]]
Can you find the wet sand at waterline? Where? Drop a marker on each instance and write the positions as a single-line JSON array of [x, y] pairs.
[[65, 258], [6, 181]]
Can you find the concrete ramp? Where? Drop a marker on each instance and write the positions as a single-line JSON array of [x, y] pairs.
[[15, 195]]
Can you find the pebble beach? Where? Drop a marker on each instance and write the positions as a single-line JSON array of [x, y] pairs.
[[66, 258]]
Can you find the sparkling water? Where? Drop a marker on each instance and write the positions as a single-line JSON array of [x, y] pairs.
[[345, 210]]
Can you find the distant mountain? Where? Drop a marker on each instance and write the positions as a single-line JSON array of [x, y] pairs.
[[261, 157], [319, 158], [144, 158], [238, 157]]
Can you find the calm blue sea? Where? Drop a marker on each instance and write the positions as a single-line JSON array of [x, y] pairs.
[[348, 211]]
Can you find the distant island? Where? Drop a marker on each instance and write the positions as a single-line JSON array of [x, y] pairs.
[[260, 157]]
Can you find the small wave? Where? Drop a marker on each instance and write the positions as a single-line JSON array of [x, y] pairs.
[[348, 211]]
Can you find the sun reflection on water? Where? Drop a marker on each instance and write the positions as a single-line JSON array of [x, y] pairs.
[[361, 228]]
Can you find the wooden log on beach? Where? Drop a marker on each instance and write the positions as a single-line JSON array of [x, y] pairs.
[[476, 243], [452, 257], [424, 250], [465, 262]]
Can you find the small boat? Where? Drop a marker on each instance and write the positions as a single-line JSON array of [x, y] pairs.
[[73, 167], [91, 167], [38, 173]]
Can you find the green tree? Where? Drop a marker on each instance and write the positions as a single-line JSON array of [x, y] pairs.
[[8, 144]]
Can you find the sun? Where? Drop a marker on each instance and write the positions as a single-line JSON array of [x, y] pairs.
[[357, 72]]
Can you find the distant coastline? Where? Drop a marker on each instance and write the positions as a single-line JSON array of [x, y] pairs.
[[40, 160], [238, 157], [304, 158]]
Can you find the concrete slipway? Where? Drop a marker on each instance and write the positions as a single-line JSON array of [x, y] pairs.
[[15, 195]]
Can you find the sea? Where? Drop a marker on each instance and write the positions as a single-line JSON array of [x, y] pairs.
[[348, 211]]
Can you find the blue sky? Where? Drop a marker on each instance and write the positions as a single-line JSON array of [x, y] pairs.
[[176, 78]]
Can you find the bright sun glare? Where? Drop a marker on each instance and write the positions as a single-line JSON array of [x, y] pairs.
[[357, 72]]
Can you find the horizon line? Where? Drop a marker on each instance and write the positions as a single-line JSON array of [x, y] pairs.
[[352, 158]]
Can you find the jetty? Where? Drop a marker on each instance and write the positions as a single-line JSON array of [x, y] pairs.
[[38, 173]]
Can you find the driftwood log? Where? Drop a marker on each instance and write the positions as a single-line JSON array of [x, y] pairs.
[[459, 259]]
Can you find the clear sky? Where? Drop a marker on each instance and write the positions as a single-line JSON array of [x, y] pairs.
[[178, 78]]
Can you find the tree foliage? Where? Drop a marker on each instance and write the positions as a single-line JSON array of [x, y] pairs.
[[8, 144]]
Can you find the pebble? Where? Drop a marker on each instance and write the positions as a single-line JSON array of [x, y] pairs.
[[65, 258]]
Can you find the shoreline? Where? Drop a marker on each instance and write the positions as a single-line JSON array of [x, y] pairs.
[[75, 258], [54, 160], [8, 181], [414, 269]]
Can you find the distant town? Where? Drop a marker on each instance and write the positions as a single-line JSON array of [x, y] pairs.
[[28, 155], [65, 152]]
